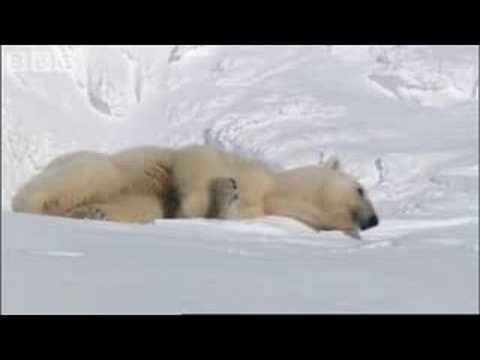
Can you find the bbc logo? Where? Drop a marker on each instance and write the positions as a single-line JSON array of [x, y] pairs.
[[36, 61]]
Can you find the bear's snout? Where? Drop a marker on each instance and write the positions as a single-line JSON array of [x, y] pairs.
[[371, 222]]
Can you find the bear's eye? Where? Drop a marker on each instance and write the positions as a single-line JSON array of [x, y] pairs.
[[360, 191]]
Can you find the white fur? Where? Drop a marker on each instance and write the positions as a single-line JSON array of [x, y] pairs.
[[320, 196]]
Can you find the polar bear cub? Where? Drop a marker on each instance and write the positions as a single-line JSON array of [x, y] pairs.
[[323, 197]]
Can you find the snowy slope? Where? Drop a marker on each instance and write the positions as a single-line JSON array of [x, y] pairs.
[[67, 266], [402, 119]]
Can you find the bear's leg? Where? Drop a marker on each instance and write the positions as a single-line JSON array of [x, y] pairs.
[[225, 199], [133, 208], [92, 211], [159, 182]]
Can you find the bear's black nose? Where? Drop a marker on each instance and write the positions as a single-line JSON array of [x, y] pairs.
[[373, 221], [370, 222]]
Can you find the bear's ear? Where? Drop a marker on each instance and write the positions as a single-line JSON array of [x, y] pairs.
[[333, 163]]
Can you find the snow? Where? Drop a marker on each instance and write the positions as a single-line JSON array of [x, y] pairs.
[[403, 119], [72, 266]]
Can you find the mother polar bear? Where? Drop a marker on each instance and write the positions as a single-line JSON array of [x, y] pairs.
[[144, 183]]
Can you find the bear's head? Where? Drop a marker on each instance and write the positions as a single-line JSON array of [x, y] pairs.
[[341, 194]]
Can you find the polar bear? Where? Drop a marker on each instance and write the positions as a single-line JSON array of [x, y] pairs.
[[128, 186], [144, 183], [323, 197]]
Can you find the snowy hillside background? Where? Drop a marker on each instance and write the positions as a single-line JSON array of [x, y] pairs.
[[403, 119]]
